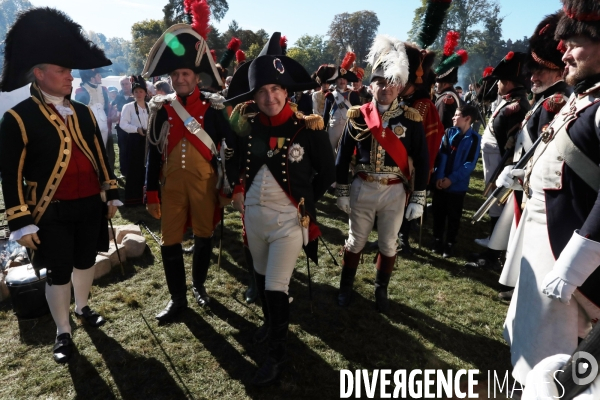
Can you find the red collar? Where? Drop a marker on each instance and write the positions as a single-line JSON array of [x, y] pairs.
[[284, 115], [191, 99]]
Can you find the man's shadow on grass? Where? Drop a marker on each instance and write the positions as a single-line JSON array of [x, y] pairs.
[[135, 376], [366, 338]]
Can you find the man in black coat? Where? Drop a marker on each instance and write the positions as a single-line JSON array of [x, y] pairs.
[[55, 177]]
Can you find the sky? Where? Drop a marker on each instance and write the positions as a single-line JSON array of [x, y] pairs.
[[114, 18]]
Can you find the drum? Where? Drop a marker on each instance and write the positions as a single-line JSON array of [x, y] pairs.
[[27, 291]]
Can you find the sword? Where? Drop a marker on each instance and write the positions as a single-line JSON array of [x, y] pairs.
[[116, 246], [304, 222], [156, 238]]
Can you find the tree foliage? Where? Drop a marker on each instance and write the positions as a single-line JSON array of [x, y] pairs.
[[310, 51], [144, 34], [116, 50], [174, 13], [355, 31], [9, 9], [479, 23]]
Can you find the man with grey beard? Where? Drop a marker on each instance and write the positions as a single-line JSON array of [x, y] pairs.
[[556, 298]]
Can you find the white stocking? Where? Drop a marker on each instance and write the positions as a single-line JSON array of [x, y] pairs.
[[59, 299], [82, 283]]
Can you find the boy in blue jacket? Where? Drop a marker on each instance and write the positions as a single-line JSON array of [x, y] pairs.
[[454, 164]]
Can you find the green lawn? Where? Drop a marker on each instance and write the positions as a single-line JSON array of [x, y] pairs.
[[443, 316]]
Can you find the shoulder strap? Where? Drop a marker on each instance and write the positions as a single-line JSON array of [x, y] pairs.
[[193, 126], [579, 162]]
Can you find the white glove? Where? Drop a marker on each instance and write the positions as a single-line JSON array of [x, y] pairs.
[[557, 288], [343, 204], [508, 178], [413, 211], [540, 382]]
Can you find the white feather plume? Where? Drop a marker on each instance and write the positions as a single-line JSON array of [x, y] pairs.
[[390, 53]]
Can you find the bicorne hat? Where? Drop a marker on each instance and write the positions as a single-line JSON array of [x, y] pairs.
[[325, 73], [270, 67], [46, 36], [513, 67], [184, 46], [543, 48], [344, 69], [388, 60], [419, 64]]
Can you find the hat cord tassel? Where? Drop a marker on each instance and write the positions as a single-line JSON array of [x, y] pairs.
[[201, 49]]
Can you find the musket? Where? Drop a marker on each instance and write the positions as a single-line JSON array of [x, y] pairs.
[[501, 194], [507, 155]]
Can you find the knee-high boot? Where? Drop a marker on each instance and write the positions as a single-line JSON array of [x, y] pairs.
[[349, 266], [279, 315], [263, 332], [175, 275], [405, 229], [251, 292], [385, 266], [200, 264]]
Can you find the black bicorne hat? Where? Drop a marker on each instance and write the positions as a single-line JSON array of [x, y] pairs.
[[270, 67], [513, 67], [138, 82], [180, 46], [543, 48], [419, 64], [46, 36]]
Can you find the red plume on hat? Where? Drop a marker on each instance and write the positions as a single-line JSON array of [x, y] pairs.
[[283, 44], [487, 71], [240, 56], [200, 12], [348, 60], [229, 54], [451, 42]]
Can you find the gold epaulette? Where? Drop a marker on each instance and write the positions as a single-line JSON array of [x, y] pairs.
[[353, 112], [412, 114], [293, 106], [313, 122], [239, 118]]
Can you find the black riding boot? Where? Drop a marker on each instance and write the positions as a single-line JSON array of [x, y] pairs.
[[279, 315], [200, 264], [175, 275], [251, 292], [263, 332], [385, 266], [349, 266], [405, 229]]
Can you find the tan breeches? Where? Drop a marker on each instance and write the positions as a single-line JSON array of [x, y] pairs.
[[183, 195]]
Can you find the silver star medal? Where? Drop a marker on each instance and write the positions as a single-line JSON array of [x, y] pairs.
[[270, 153]]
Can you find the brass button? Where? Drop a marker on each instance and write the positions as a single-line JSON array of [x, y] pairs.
[[558, 173], [295, 123], [377, 169], [379, 148], [249, 144], [248, 160], [559, 158], [285, 147], [62, 164], [378, 155], [203, 102], [283, 155], [287, 140], [66, 151], [283, 172], [247, 176], [247, 168], [67, 139], [183, 166], [52, 186], [558, 185], [249, 153], [282, 163], [183, 156], [285, 180], [378, 162], [46, 198], [11, 212], [23, 208], [250, 137], [53, 117]]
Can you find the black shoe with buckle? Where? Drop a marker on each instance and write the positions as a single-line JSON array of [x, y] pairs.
[[92, 318], [63, 348]]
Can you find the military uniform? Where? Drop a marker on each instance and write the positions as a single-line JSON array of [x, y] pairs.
[[337, 105]]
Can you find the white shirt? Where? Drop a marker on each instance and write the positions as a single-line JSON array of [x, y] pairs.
[[129, 119]]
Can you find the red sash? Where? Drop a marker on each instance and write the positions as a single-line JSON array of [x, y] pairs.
[[390, 142]]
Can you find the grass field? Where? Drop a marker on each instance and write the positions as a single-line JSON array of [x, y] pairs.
[[442, 316]]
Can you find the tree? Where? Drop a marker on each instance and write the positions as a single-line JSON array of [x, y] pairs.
[[145, 34], [9, 9], [116, 50], [174, 12], [310, 51], [355, 31]]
